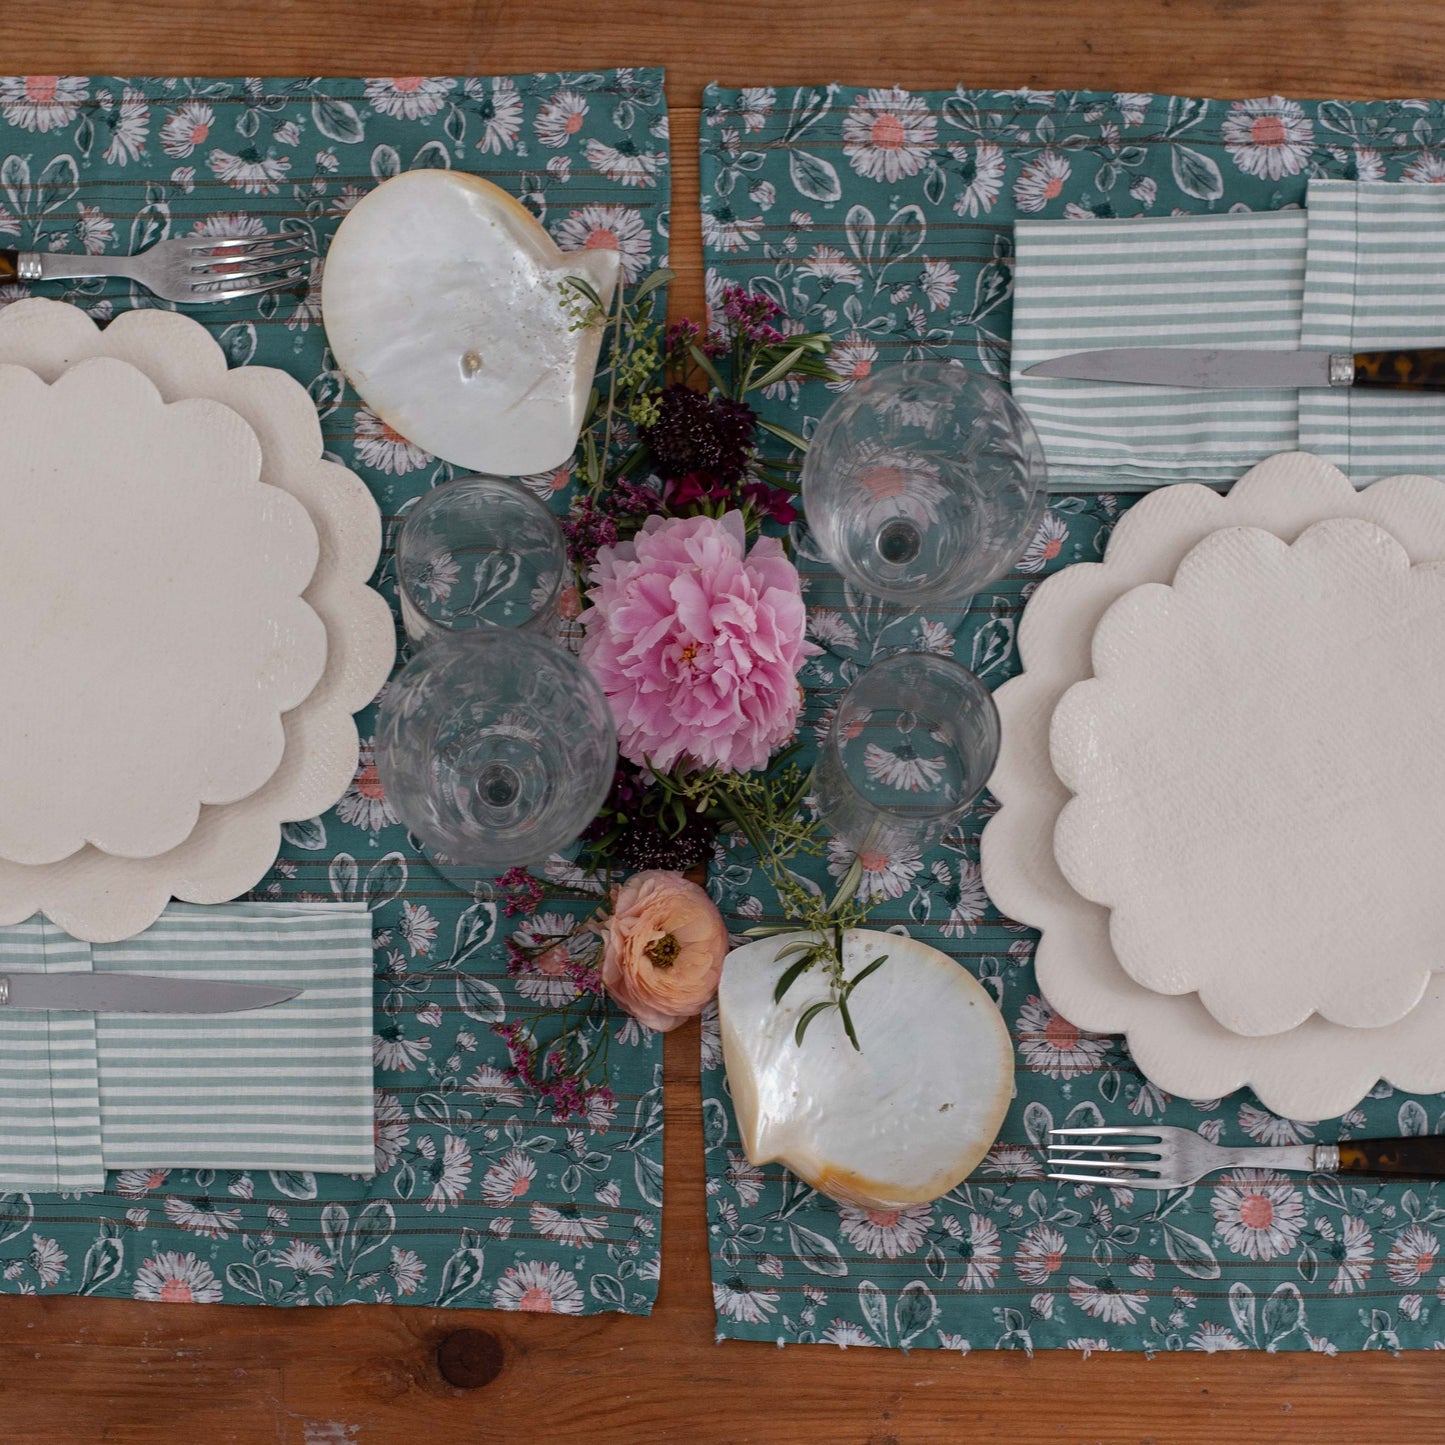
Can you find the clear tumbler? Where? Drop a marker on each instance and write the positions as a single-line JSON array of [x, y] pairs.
[[911, 745], [479, 552]]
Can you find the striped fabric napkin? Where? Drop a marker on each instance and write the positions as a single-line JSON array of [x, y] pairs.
[[1357, 269], [286, 1088]]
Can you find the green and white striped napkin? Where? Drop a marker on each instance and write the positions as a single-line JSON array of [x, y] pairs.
[[287, 1087], [1357, 269]]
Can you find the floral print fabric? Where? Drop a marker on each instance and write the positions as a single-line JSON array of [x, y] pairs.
[[481, 1198], [885, 218]]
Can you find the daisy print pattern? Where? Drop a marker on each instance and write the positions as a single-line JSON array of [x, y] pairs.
[[115, 163], [382, 448], [499, 107], [364, 804], [898, 266], [886, 1233], [251, 171], [538, 1287], [42, 103], [186, 128], [1049, 1044], [608, 228], [561, 118], [902, 768], [174, 1278], [887, 134], [884, 875], [1271, 138], [1258, 1212], [409, 97]]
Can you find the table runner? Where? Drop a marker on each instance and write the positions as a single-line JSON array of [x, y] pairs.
[[481, 1199], [885, 217]]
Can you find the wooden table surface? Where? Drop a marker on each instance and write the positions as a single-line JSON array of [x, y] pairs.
[[74, 1370]]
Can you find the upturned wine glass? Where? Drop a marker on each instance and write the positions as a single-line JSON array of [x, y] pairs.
[[495, 748], [924, 483]]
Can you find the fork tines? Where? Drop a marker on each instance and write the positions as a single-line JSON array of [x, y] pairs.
[[1073, 1147], [245, 265]]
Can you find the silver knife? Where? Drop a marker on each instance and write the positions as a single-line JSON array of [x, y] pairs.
[[1420, 369], [135, 993]]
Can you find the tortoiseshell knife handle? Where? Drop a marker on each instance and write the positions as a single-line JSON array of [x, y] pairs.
[[1421, 369], [1421, 1157], [9, 265]]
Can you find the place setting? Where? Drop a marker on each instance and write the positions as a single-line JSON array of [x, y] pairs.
[[982, 672]]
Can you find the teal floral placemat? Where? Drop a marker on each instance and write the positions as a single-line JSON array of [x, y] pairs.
[[885, 218], [481, 1199]]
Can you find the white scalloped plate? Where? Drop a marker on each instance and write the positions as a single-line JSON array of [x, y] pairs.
[[1315, 1071], [155, 630], [101, 898]]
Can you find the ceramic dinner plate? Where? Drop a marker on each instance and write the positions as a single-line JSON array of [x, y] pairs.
[[1256, 755], [97, 896], [1316, 1070], [152, 628]]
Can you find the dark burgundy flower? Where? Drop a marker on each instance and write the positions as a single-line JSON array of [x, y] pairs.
[[695, 434]]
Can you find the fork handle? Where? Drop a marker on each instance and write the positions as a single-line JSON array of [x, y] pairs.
[[1418, 1157], [9, 265]]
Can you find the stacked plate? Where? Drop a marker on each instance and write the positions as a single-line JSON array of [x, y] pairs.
[[1221, 788], [185, 623]]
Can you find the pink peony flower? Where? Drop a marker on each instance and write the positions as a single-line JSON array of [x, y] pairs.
[[697, 642], [662, 948]]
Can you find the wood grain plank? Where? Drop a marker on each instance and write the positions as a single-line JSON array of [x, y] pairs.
[[81, 1370]]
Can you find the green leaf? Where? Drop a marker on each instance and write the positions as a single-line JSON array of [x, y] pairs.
[[807, 1017], [385, 879], [1241, 1307], [848, 886], [475, 929], [238, 341], [863, 973], [294, 1183], [778, 370], [335, 1222], [661, 277], [307, 833], [814, 177], [874, 1306], [375, 1224], [816, 1251], [848, 1023], [1282, 1315], [102, 1263], [1190, 1253], [480, 1000], [58, 182], [461, 1273], [915, 1312], [246, 1279], [793, 974], [585, 289], [784, 434], [1195, 173], [433, 156], [337, 120], [709, 370], [385, 163]]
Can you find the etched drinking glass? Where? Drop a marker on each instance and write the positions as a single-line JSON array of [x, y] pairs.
[[911, 745], [924, 483], [479, 552], [495, 748]]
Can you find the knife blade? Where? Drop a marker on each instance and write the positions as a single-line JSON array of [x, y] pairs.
[[1205, 369], [136, 993]]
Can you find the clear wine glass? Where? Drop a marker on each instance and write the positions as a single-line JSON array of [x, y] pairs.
[[495, 748], [479, 552], [924, 483], [911, 745]]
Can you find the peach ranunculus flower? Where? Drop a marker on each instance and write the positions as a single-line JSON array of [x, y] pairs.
[[662, 948]]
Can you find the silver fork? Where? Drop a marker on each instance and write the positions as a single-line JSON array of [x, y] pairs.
[[1163, 1157], [188, 269]]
